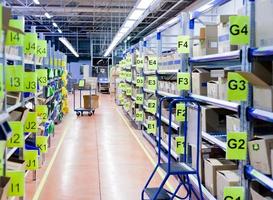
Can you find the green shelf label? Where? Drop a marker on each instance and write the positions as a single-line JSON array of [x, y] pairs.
[[42, 77], [179, 144], [152, 80], [236, 193], [236, 146], [183, 44], [42, 112], [139, 63], [139, 115], [180, 112], [31, 159], [17, 138], [237, 87], [152, 106], [31, 125], [140, 81], [42, 49], [17, 183], [152, 63], [139, 99], [30, 82], [1, 82], [42, 143], [239, 30], [151, 127], [14, 38], [14, 78], [183, 81], [30, 43]]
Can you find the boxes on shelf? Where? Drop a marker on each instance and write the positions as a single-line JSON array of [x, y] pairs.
[[13, 98], [221, 76], [226, 178], [4, 185], [259, 192], [233, 123], [207, 151], [259, 153], [213, 89], [20, 114], [200, 77], [15, 164], [213, 165], [223, 35], [211, 39]]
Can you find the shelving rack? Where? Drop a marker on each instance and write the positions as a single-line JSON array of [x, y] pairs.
[[237, 60], [13, 56]]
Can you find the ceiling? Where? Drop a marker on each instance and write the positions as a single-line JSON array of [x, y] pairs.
[[90, 23]]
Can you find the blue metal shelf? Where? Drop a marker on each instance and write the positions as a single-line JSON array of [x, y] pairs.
[[231, 58], [260, 114], [253, 174], [215, 139], [262, 52], [166, 121], [167, 71], [148, 91], [217, 102], [147, 73]]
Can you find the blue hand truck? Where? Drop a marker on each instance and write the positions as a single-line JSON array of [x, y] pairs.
[[180, 169]]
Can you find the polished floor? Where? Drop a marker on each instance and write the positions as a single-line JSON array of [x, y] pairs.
[[97, 158]]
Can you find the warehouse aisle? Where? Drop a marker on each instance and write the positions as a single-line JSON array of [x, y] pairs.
[[98, 159]]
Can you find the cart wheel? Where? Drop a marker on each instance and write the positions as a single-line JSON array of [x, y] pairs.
[[78, 114], [89, 113], [93, 112]]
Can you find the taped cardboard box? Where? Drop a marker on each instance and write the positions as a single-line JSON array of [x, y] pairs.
[[259, 192], [233, 123], [200, 77], [213, 165], [226, 178], [259, 153], [213, 89]]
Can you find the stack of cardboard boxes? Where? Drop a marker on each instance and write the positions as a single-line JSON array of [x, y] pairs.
[[168, 86]]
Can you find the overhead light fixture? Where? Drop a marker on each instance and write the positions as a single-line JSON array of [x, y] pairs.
[[59, 30], [54, 24], [48, 16], [36, 2], [135, 14], [69, 46]]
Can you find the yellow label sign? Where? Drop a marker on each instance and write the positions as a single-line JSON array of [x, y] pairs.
[[151, 106], [237, 87], [127, 105], [13, 38], [41, 48], [42, 111], [14, 78], [30, 82], [42, 143], [139, 99], [239, 30], [139, 115], [31, 159], [140, 81], [42, 77], [1, 82], [17, 183], [152, 63], [139, 63], [128, 91], [183, 81], [31, 125], [151, 127], [122, 86], [234, 193], [17, 138], [183, 44], [152, 83], [179, 145], [30, 43], [236, 146], [180, 112]]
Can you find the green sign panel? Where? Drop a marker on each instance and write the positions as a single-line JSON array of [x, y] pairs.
[[152, 106], [152, 63], [234, 193], [17, 138], [183, 81], [237, 87], [139, 99], [42, 112], [42, 77], [127, 105], [139, 62], [183, 44], [42, 143], [31, 159], [1, 82], [30, 43], [139, 115], [128, 91], [140, 81], [151, 127], [30, 82], [236, 146], [179, 144], [14, 38], [122, 86], [14, 78], [152, 80], [17, 183], [180, 113], [239, 30], [31, 125], [41, 48]]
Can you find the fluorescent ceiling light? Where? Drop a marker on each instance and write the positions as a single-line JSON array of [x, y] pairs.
[[69, 46], [128, 23], [48, 15], [124, 29], [144, 4], [135, 15], [54, 24], [59, 30], [36, 2]]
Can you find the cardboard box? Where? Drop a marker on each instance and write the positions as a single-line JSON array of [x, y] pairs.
[[20, 114], [219, 73], [200, 77], [226, 178], [213, 165], [95, 101], [233, 123], [213, 89], [211, 39], [259, 192], [259, 153], [222, 85], [13, 98], [208, 151], [15, 164], [4, 185], [202, 34]]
